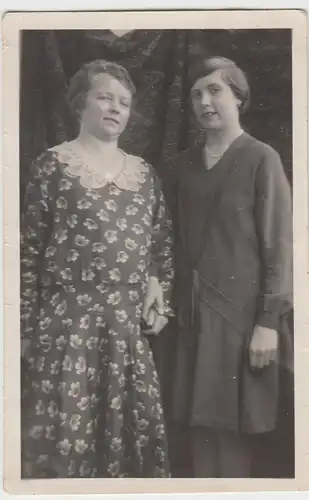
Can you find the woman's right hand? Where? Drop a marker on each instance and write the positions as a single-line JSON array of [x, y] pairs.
[[155, 322], [263, 347]]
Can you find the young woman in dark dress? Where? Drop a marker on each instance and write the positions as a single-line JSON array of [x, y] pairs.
[[233, 276]]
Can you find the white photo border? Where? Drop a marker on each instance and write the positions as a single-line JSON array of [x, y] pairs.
[[12, 24]]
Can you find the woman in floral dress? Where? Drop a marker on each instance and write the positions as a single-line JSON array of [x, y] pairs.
[[96, 261]]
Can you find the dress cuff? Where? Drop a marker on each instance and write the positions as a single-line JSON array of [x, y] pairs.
[[268, 319]]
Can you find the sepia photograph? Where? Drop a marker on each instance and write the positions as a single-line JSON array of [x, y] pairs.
[[156, 295]]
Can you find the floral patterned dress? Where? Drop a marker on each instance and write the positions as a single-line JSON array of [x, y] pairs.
[[91, 396]]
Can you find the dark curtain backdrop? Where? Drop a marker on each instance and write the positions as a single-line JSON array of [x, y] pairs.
[[161, 125], [158, 62]]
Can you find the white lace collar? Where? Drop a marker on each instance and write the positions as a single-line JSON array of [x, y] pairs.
[[130, 178]]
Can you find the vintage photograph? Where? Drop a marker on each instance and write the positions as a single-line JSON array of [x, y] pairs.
[[156, 296], [108, 120]]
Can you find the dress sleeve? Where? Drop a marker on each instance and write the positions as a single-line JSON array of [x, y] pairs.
[[162, 261], [36, 221], [273, 213]]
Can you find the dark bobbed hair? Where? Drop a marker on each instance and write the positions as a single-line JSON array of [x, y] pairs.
[[81, 82], [231, 74]]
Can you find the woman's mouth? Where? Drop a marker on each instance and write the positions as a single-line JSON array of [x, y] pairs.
[[208, 113], [111, 120]]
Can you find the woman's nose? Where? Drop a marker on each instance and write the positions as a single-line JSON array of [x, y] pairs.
[[205, 99], [115, 106]]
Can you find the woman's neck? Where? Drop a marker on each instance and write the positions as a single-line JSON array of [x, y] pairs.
[[222, 138], [97, 146]]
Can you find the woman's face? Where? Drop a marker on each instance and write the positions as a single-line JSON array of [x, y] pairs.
[[107, 107], [215, 104]]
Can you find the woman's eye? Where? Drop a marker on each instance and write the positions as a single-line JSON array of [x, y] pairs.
[[103, 98], [215, 90], [196, 95]]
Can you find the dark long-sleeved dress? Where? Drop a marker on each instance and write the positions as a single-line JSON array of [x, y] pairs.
[[91, 397], [233, 271]]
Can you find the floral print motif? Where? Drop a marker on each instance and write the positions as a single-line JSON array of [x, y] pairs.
[[91, 395]]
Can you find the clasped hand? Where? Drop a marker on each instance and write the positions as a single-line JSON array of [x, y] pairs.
[[153, 311]]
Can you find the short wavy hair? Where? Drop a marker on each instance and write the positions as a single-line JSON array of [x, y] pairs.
[[80, 83], [231, 74]]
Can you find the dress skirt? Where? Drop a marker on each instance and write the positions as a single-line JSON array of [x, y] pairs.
[[214, 385], [91, 398]]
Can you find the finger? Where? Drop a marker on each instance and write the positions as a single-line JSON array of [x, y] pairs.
[[256, 358], [159, 302], [147, 305], [160, 323], [150, 322], [252, 358], [153, 327], [266, 358], [273, 355], [149, 332], [163, 323], [270, 355], [156, 326], [260, 359], [151, 318]]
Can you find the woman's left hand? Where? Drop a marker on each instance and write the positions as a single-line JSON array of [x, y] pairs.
[[263, 346], [153, 299]]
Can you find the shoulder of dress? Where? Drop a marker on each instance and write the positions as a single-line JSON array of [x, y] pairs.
[[45, 164], [259, 148], [62, 151], [266, 160], [134, 162], [46, 155], [134, 173], [58, 147]]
